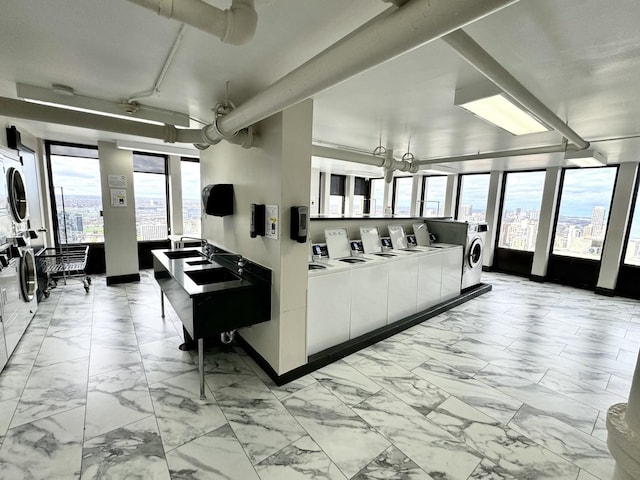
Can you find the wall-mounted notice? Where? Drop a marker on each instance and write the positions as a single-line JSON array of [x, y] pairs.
[[117, 181], [271, 221], [118, 197]]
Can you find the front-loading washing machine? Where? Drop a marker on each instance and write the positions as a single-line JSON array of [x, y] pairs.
[[472, 237]]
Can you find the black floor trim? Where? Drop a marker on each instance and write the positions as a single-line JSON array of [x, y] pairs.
[[330, 355], [115, 279], [537, 278], [607, 292]]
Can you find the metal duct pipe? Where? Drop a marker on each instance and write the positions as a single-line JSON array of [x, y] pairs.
[[62, 116], [500, 154], [235, 25], [373, 160], [473, 53], [384, 38], [43, 113]]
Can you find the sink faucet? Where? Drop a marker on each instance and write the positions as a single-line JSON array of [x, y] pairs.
[[240, 264], [201, 240]]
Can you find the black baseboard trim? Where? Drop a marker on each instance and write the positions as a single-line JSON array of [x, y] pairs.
[[607, 292], [487, 269], [330, 355], [115, 279], [537, 278]]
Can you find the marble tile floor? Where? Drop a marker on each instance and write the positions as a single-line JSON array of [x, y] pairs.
[[511, 385]]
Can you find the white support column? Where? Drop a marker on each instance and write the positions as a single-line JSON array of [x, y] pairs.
[[618, 220], [349, 187], [325, 191], [545, 223], [388, 198], [416, 191], [175, 195], [493, 207], [450, 196], [623, 428], [314, 203], [120, 243]]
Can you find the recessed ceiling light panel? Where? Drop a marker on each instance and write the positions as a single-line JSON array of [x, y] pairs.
[[495, 107]]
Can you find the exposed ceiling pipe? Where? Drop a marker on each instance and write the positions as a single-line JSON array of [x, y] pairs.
[[235, 25], [473, 53], [163, 70], [62, 116], [385, 37], [387, 161], [424, 164]]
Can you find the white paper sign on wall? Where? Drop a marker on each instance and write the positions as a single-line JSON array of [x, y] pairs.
[[117, 181], [271, 221], [118, 197]]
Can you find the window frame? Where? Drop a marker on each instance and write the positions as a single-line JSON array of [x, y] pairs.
[[501, 207], [459, 191], [52, 194], [556, 216], [371, 199], [166, 189], [424, 189], [343, 187], [395, 194], [191, 160]]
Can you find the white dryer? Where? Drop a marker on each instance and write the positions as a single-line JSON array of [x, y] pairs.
[[472, 237]]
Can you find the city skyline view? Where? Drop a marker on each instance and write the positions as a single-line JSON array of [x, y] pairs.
[[78, 179], [580, 230]]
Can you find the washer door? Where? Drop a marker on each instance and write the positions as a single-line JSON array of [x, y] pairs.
[[17, 195], [27, 275], [474, 258]]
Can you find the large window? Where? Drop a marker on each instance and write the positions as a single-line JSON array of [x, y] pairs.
[[377, 197], [521, 210], [336, 195], [191, 202], [150, 186], [632, 255], [474, 193], [359, 195], [77, 197], [434, 190], [402, 187], [584, 212]]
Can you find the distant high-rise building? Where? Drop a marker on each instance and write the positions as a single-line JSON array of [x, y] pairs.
[[597, 222], [467, 211]]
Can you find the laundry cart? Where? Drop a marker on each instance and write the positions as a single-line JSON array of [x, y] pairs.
[[64, 262]]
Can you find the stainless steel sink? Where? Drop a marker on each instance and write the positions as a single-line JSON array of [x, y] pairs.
[[173, 255], [211, 275]]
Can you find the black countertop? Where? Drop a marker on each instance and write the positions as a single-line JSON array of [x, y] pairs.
[[178, 267]]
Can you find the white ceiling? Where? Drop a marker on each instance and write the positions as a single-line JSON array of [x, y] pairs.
[[580, 57]]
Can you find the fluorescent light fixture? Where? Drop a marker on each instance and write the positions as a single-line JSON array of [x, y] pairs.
[[161, 149], [495, 107], [586, 158], [61, 96]]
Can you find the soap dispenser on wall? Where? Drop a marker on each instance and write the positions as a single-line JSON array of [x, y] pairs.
[[299, 222], [257, 220]]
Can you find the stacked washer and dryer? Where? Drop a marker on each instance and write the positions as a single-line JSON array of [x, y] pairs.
[[18, 281], [472, 237]]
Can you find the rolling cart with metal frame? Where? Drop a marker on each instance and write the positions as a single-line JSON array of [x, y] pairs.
[[64, 262]]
